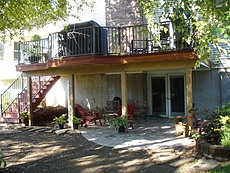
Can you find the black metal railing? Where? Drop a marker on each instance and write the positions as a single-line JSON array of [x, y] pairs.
[[8, 97], [93, 40]]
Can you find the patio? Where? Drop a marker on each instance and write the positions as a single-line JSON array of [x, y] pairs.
[[156, 133]]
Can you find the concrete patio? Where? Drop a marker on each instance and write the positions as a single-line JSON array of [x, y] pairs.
[[156, 133]]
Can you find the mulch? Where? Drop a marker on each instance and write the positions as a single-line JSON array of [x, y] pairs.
[[36, 152]]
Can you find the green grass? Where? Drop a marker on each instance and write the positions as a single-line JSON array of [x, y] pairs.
[[221, 169]]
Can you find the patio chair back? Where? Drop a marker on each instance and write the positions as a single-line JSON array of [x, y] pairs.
[[88, 116]]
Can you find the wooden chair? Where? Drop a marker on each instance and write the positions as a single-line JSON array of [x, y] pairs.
[[141, 109], [88, 117]]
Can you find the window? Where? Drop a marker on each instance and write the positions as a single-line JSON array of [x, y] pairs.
[[16, 47]]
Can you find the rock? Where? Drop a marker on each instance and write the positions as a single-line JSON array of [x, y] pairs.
[[204, 165], [181, 162], [61, 131]]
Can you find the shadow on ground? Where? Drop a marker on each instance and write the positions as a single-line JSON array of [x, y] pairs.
[[35, 152]]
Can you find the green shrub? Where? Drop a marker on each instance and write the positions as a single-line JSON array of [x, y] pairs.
[[2, 161]]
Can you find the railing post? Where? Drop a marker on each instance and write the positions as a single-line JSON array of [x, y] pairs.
[[0, 105], [22, 81], [19, 108], [94, 41]]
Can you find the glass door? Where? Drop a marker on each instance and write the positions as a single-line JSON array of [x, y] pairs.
[[159, 95], [177, 95]]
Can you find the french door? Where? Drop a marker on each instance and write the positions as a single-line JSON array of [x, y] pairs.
[[168, 95]]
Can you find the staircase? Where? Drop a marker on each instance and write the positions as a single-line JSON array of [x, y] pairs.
[[13, 103]]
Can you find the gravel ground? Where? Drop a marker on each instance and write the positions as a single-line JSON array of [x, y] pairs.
[[37, 152]]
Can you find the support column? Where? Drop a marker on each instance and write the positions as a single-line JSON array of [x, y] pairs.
[[71, 100], [30, 105], [189, 99], [124, 92]]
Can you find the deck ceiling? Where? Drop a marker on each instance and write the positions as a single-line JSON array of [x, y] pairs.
[[107, 64]]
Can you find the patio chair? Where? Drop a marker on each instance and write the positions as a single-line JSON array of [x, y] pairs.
[[88, 116], [141, 109], [131, 108]]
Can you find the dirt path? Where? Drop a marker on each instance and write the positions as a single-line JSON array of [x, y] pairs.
[[35, 152]]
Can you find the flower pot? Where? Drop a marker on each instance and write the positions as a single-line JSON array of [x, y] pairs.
[[121, 129], [61, 126], [75, 126]]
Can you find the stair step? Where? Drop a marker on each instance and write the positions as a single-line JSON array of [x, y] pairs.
[[9, 120]]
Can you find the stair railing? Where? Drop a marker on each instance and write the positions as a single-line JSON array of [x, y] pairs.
[[9, 96]]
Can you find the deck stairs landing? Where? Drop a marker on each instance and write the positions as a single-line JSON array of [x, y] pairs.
[[11, 107]]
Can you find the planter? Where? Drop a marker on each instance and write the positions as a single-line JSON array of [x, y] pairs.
[[121, 129], [75, 126], [60, 126], [24, 121]]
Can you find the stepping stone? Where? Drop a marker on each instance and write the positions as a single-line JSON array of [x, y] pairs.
[[61, 131], [41, 130], [204, 165], [28, 128], [166, 159], [49, 131], [32, 130], [181, 162]]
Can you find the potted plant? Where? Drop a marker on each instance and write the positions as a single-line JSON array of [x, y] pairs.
[[120, 123], [76, 122], [60, 121], [24, 117]]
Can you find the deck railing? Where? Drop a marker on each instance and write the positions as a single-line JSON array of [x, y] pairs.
[[95, 40]]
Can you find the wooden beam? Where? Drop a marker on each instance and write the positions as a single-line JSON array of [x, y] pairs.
[[109, 68], [124, 92], [71, 100], [30, 105], [100, 60], [189, 99]]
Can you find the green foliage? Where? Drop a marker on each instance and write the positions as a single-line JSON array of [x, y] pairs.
[[61, 119], [224, 168], [210, 21], [17, 16], [196, 135], [2, 161], [217, 128], [23, 115], [212, 130], [119, 121], [224, 112], [76, 120]]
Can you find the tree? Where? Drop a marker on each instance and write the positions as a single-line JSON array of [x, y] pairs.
[[19, 15], [210, 20]]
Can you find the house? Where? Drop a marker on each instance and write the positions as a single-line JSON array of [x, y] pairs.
[[95, 63]]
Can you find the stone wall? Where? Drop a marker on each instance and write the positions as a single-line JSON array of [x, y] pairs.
[[217, 152], [123, 13]]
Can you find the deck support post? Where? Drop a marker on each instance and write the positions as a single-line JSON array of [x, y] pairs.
[[124, 92], [189, 100], [30, 105], [71, 100]]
